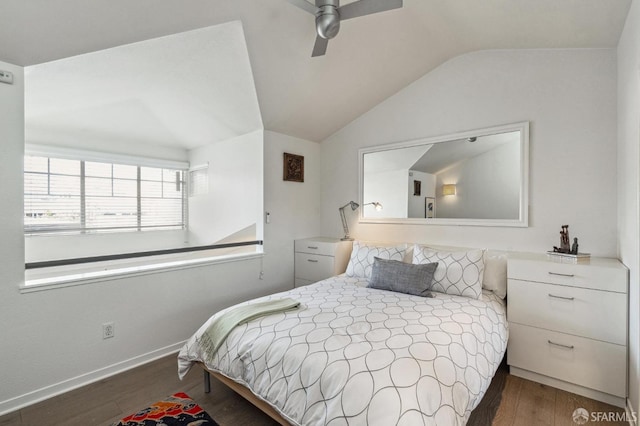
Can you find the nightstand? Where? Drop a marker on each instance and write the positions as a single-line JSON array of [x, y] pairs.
[[318, 258], [568, 325]]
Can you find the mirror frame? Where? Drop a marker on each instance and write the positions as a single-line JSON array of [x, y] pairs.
[[523, 219]]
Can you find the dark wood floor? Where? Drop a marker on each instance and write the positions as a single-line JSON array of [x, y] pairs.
[[519, 401]]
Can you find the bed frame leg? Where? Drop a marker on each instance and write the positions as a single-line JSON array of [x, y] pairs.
[[207, 382]]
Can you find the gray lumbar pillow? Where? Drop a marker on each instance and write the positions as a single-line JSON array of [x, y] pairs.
[[402, 277]]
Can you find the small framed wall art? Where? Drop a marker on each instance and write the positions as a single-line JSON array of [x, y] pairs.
[[429, 207], [293, 167]]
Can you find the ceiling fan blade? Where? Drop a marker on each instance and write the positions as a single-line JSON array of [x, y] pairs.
[[367, 7], [304, 5], [320, 47]]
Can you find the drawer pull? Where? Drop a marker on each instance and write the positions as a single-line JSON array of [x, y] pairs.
[[560, 344], [561, 275], [312, 260], [312, 247], [561, 297]]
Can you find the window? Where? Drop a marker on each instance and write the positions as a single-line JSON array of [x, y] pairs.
[[199, 180], [78, 196]]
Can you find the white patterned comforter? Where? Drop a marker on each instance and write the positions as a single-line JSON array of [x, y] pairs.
[[357, 356]]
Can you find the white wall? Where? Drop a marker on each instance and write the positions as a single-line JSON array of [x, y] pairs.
[[487, 186], [12, 241], [294, 206], [234, 200], [569, 96], [52, 340], [628, 176], [387, 187]]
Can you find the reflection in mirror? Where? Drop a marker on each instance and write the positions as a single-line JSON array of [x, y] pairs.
[[472, 178]]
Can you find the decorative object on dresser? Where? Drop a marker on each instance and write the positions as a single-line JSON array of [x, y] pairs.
[[568, 325], [566, 254], [293, 167], [318, 258], [565, 248]]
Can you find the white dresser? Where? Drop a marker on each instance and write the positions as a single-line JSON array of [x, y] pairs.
[[568, 325], [318, 258]]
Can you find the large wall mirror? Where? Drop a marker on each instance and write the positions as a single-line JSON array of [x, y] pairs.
[[477, 177]]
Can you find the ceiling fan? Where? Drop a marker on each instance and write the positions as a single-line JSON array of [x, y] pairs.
[[329, 13]]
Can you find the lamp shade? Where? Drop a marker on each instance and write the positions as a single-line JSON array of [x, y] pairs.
[[449, 189]]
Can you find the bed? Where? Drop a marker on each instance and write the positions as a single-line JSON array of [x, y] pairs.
[[357, 355]]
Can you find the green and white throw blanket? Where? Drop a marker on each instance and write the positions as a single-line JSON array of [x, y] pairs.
[[221, 326]]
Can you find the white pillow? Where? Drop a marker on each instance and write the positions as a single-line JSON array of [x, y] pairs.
[[458, 273], [362, 257], [495, 274]]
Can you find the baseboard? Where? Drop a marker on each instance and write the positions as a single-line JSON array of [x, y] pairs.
[[56, 389], [631, 414]]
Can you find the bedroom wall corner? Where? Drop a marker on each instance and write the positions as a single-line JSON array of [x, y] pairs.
[[629, 184], [11, 209], [294, 207], [235, 168]]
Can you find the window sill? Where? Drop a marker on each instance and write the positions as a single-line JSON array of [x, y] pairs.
[[67, 277]]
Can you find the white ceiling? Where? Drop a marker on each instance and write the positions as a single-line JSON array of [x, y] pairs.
[[372, 58], [185, 90], [445, 155]]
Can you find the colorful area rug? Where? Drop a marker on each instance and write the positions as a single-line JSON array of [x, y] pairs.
[[176, 410]]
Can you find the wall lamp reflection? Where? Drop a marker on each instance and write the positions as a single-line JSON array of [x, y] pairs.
[[375, 205], [449, 189], [354, 206]]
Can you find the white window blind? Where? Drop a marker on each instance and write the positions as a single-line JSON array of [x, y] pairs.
[[69, 195]]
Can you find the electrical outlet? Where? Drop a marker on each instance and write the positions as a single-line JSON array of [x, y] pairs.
[[108, 330]]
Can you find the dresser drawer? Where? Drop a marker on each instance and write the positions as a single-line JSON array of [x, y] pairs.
[[595, 275], [585, 362], [313, 267], [600, 315], [315, 246]]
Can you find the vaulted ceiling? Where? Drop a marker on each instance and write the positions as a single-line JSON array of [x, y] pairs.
[[372, 58]]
